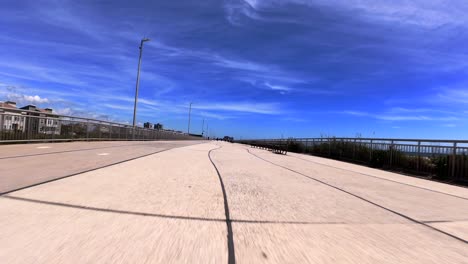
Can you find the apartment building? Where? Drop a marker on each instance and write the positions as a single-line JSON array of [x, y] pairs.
[[148, 125], [10, 118], [42, 121], [28, 119]]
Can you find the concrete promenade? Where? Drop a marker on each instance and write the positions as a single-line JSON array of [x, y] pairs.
[[216, 202]]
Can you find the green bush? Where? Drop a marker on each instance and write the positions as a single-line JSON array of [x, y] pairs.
[[294, 146], [378, 158]]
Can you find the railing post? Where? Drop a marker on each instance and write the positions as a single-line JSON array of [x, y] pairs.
[[354, 149], [87, 130], [329, 147], [28, 121], [391, 153], [53, 129], [313, 146], [321, 144], [454, 159], [71, 122], [419, 156], [371, 150]]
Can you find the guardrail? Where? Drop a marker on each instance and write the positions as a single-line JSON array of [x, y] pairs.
[[441, 159], [31, 126]]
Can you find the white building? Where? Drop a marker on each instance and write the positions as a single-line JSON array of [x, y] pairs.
[[42, 121], [11, 119], [28, 119]]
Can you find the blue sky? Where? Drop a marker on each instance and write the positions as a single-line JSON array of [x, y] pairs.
[[253, 69]]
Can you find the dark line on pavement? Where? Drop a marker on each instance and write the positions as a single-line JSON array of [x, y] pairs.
[[372, 176], [230, 236], [364, 199], [106, 210], [85, 171], [285, 222], [194, 218], [443, 221]]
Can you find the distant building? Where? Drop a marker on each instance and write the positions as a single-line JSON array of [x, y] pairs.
[[42, 121], [28, 119], [148, 125], [11, 118], [8, 104], [158, 126]]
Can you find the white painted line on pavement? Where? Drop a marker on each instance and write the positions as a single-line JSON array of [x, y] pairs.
[[103, 154], [44, 147]]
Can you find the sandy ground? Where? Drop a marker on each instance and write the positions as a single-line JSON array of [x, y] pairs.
[[169, 208]]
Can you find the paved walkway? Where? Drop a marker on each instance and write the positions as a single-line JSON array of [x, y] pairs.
[[28, 164], [226, 203]]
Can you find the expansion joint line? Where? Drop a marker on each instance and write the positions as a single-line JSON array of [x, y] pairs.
[[230, 236], [364, 199]]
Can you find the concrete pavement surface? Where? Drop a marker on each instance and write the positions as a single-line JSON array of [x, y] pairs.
[[28, 164], [220, 203]]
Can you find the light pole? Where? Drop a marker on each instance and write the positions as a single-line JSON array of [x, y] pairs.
[[203, 127], [189, 113], [138, 81]]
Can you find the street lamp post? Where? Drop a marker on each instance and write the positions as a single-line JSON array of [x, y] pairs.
[[189, 113], [138, 82], [203, 127]]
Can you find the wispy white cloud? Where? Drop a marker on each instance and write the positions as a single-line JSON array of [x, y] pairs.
[[241, 65], [26, 71], [148, 102], [61, 14], [249, 71], [415, 118], [296, 119], [451, 96], [449, 125], [239, 10], [64, 111], [214, 116], [257, 108], [388, 116], [355, 113], [417, 12], [404, 110], [119, 107], [278, 87]]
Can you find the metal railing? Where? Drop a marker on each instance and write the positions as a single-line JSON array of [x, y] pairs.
[[31, 126], [442, 159]]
